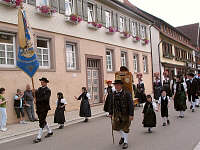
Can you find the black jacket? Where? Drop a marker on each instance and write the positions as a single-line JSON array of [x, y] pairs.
[[192, 88], [42, 99], [123, 103]]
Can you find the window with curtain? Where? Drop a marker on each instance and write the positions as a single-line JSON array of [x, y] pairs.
[[143, 31], [123, 59], [71, 53], [121, 25], [108, 19], [91, 17], [135, 63], [134, 28], [109, 60], [68, 7], [145, 64]]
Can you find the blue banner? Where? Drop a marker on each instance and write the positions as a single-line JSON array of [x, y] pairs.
[[27, 58]]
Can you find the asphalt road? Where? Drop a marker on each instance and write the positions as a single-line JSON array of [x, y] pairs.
[[182, 134]]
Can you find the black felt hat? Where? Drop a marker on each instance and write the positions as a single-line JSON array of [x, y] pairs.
[[191, 74], [44, 79], [118, 82]]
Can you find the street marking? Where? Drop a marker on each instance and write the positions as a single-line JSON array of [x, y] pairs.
[[197, 147]]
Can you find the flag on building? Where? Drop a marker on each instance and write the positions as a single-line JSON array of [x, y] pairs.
[[27, 58]]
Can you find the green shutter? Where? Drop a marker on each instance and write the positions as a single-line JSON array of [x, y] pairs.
[[62, 6], [98, 13], [79, 8], [32, 2], [103, 17], [85, 10], [54, 4]]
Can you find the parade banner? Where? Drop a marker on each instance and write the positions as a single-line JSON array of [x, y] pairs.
[[27, 58]]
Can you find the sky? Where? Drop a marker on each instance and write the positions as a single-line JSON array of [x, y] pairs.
[[174, 12]]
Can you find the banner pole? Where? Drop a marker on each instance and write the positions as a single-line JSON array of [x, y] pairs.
[[33, 86]]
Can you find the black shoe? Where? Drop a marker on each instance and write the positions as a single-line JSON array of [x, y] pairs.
[[61, 127], [86, 120], [168, 122], [192, 110], [191, 107], [181, 116], [164, 124], [49, 135], [37, 140], [197, 105], [125, 146], [121, 141], [149, 130]]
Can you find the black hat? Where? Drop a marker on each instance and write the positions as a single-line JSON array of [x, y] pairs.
[[44, 79], [118, 82], [163, 89], [191, 74]]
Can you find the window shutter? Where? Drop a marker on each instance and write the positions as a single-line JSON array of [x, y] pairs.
[[118, 22], [54, 4], [79, 6], [114, 19], [145, 32], [103, 17], [62, 6], [138, 30], [131, 26], [127, 24], [85, 10], [98, 13], [32, 2]]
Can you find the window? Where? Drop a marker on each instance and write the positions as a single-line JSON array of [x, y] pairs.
[[143, 32], [123, 59], [121, 25], [43, 53], [68, 7], [167, 49], [71, 54], [134, 28], [91, 16], [145, 63], [7, 50], [108, 19], [135, 63], [109, 60], [42, 2]]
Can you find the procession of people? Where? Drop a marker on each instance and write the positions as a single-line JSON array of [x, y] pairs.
[[118, 102]]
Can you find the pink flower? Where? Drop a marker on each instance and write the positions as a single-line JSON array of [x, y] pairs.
[[111, 29], [137, 38], [99, 26]]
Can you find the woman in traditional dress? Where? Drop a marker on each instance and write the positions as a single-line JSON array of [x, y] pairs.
[[180, 90], [157, 86], [140, 94], [59, 116], [85, 110]]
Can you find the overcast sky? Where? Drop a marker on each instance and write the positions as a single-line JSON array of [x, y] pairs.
[[175, 12]]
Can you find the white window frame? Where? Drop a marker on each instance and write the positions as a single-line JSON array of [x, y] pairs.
[[14, 52], [69, 4], [72, 53], [42, 54], [145, 64], [109, 60], [135, 63], [123, 59], [91, 13], [108, 19], [122, 24], [134, 28], [143, 31]]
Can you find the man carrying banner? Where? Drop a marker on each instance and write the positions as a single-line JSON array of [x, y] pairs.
[[121, 112], [42, 107]]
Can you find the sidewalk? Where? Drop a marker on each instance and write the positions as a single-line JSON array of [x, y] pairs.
[[17, 131]]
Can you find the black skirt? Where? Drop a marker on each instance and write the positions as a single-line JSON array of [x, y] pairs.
[[149, 118], [107, 103], [59, 116], [85, 110]]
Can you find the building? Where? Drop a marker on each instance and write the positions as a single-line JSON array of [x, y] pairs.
[[193, 31], [79, 43]]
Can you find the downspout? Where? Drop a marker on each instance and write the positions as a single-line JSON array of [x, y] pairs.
[[151, 53], [159, 58]]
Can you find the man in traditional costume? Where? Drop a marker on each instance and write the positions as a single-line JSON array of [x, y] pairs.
[[167, 84], [122, 112], [157, 86], [43, 95], [140, 93]]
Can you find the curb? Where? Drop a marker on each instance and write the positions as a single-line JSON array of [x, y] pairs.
[[53, 127]]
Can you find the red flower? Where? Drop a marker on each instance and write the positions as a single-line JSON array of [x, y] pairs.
[[75, 18]]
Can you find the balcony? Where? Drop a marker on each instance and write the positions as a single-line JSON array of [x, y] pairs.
[[111, 30], [45, 10], [125, 35], [136, 38], [168, 56], [94, 25], [11, 3]]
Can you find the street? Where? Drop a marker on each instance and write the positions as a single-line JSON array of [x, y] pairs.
[[182, 134]]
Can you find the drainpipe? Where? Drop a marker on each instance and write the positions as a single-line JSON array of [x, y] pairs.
[[151, 52], [159, 58]]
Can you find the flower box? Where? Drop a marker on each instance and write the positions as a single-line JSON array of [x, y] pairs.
[[136, 39], [125, 35], [145, 41], [94, 25], [75, 19], [11, 3], [46, 10], [111, 30]]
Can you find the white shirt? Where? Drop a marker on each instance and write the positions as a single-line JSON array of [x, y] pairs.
[[106, 92], [184, 85], [88, 96], [159, 101], [62, 101]]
